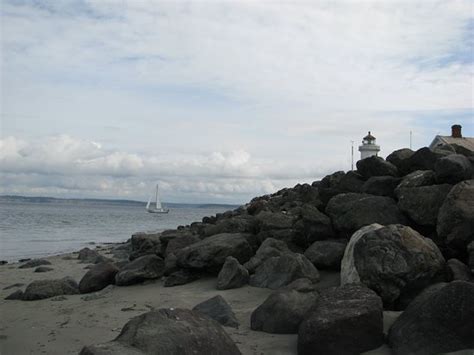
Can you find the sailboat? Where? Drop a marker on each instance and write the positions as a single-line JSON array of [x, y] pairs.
[[159, 208]]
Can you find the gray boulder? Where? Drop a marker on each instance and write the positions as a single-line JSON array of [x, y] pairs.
[[181, 277], [145, 244], [381, 185], [211, 253], [43, 269], [418, 178], [232, 275], [16, 295], [313, 225], [237, 224], [326, 254], [399, 156], [34, 263], [376, 166], [168, 331], [283, 311], [443, 322], [41, 289], [281, 270], [351, 211], [422, 203], [395, 261], [87, 255], [269, 248], [457, 270], [422, 159], [98, 277], [470, 250], [456, 218], [453, 169], [176, 244], [346, 320], [146, 267], [218, 309]]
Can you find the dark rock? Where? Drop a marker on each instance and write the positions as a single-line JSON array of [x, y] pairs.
[[422, 203], [34, 263], [3, 262], [17, 295], [470, 250], [98, 277], [301, 285], [18, 284], [145, 244], [269, 221], [168, 331], [210, 253], [168, 235], [313, 225], [24, 260], [418, 178], [232, 275], [399, 156], [453, 169], [269, 248], [351, 211], [456, 219], [170, 264], [442, 323], [43, 269], [457, 270], [144, 268], [381, 185], [218, 309], [281, 270], [422, 159], [376, 166], [346, 320], [87, 255], [177, 244], [238, 224], [351, 182], [326, 254], [331, 181], [41, 289], [395, 261], [283, 311], [181, 277]]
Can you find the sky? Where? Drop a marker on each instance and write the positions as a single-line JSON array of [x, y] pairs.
[[221, 101]]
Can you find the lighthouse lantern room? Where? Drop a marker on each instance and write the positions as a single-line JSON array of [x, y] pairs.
[[368, 147]]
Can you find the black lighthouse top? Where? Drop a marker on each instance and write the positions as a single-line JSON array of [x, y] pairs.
[[369, 139]]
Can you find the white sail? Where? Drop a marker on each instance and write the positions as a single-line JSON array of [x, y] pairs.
[[158, 202], [148, 204], [159, 208]]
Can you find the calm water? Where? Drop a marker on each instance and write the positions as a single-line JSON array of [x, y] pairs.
[[29, 229]]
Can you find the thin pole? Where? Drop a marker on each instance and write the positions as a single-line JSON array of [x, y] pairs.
[[410, 138], [352, 155]]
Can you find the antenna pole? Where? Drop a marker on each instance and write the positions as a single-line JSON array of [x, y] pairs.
[[352, 155], [410, 139]]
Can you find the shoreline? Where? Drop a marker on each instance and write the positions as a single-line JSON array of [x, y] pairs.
[[64, 324]]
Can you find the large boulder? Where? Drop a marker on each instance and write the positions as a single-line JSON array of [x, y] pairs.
[[211, 253], [351, 211], [326, 254], [443, 322], [232, 275], [418, 178], [453, 169], [237, 224], [283, 311], [456, 218], [470, 250], [176, 244], [281, 270], [218, 309], [395, 261], [351, 182], [269, 248], [168, 331], [145, 244], [181, 277], [146, 267], [422, 159], [457, 270], [381, 185], [422, 203], [398, 156], [34, 263], [98, 277], [41, 289], [313, 225], [376, 166], [346, 320]]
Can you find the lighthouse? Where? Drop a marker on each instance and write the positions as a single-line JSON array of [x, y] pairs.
[[368, 147]]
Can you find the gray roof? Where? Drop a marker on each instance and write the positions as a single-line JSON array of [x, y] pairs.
[[466, 142]]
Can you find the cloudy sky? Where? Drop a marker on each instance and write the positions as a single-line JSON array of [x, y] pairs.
[[220, 101]]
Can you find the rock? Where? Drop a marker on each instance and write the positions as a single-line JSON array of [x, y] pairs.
[[346, 320], [457, 270], [351, 211], [442, 323], [87, 255], [301, 285], [168, 331], [210, 253], [470, 250], [34, 263], [98, 277], [283, 311], [145, 244], [453, 169], [17, 295], [237, 224], [269, 248], [331, 181], [219, 310], [42, 289], [177, 244], [24, 260], [181, 277], [43, 269], [144, 268], [395, 261], [313, 225], [418, 178], [422, 159], [99, 294], [232, 275], [351, 182], [18, 284], [381, 185], [422, 203], [326, 254], [281, 270], [170, 264], [456, 218], [399, 156], [274, 220], [3, 262], [376, 166]]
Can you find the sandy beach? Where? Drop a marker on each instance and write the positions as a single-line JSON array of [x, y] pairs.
[[64, 324]]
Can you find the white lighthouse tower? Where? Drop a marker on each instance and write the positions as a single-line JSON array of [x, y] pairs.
[[368, 147]]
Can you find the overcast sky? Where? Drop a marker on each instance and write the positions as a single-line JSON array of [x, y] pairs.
[[221, 101]]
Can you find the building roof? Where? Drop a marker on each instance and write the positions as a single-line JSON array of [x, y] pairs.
[[466, 142]]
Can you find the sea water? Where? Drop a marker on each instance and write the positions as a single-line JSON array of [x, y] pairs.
[[36, 229]]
